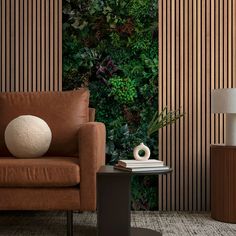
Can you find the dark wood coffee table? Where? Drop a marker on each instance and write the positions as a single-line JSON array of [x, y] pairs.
[[113, 203]]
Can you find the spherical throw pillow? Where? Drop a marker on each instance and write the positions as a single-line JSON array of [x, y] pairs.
[[28, 136]]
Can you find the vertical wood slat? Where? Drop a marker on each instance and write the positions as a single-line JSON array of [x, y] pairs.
[[38, 44], [203, 108], [221, 59], [7, 22], [177, 98], [55, 44], [212, 64], [34, 44], [208, 107], [25, 87], [164, 45], [21, 45], [47, 53], [60, 45], [234, 43], [30, 45], [0, 43], [197, 53], [230, 31], [30, 51], [3, 45], [168, 185], [186, 100], [198, 124], [181, 84], [160, 50], [190, 106], [17, 47], [217, 68], [43, 28], [194, 137], [173, 72], [12, 45], [51, 48]]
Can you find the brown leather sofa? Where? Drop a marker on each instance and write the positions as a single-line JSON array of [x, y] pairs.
[[65, 177]]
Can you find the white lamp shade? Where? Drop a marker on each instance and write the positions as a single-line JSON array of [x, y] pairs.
[[223, 100]]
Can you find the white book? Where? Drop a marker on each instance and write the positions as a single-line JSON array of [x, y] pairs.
[[143, 169], [150, 165], [135, 163]]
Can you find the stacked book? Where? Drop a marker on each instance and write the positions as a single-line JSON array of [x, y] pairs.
[[141, 166]]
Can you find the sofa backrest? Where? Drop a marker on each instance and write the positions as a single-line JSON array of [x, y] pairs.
[[63, 112]]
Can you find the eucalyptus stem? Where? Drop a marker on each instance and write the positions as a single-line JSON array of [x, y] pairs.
[[162, 119]]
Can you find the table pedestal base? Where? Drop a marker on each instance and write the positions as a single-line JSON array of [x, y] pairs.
[[144, 232], [113, 204]]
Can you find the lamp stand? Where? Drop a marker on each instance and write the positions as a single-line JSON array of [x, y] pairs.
[[230, 129]]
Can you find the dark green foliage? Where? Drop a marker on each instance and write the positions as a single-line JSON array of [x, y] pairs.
[[147, 186], [111, 47]]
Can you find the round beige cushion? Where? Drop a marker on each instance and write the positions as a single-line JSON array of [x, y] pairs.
[[28, 136]]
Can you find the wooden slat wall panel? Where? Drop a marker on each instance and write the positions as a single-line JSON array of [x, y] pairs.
[[197, 53], [30, 45]]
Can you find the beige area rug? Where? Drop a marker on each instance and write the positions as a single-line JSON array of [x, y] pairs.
[[54, 224]]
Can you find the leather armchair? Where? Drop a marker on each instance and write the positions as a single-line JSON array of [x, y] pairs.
[[65, 178]]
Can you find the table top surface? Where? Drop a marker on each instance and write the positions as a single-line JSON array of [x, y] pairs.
[[222, 146], [109, 170]]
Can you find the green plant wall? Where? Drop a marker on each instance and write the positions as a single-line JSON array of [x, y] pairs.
[[111, 47]]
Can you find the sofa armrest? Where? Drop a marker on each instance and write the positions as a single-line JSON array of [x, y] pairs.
[[92, 141]]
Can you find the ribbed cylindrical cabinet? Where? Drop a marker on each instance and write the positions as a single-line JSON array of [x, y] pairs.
[[223, 183]]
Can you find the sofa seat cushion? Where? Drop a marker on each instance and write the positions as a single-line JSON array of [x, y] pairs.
[[43, 172]]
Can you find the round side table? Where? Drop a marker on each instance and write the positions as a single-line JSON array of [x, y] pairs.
[[113, 203], [223, 183]]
